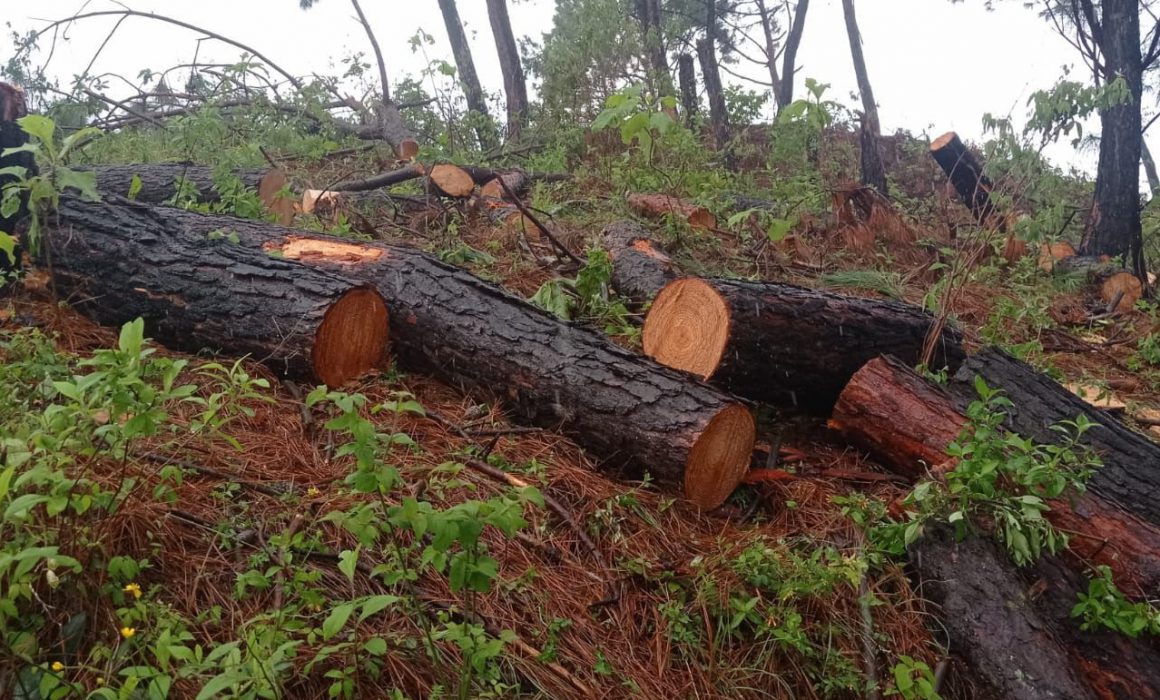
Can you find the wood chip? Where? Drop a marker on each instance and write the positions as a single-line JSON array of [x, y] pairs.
[[1097, 396]]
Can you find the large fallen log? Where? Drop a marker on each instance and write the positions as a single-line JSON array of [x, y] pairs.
[[197, 289], [659, 206], [907, 423], [783, 344], [1117, 287], [625, 409], [640, 267]]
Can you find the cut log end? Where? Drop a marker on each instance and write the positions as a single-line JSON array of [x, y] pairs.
[[352, 338], [270, 189], [1051, 253], [942, 141], [452, 180], [720, 457], [407, 150], [688, 327], [1122, 288]]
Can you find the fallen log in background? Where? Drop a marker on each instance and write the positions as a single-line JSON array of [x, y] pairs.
[[625, 409], [658, 206], [1117, 287], [196, 289], [907, 422], [161, 182], [640, 267], [782, 344]]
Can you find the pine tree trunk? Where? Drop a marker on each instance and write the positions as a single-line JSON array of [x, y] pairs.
[[468, 78], [1150, 168], [789, 58], [649, 15], [1114, 226], [873, 174], [766, 19], [711, 74], [688, 79], [514, 83]]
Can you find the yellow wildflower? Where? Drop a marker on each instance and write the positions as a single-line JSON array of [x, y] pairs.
[[100, 680], [128, 632], [133, 590], [313, 492], [57, 666]]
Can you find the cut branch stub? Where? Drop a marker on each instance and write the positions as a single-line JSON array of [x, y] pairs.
[[783, 344], [966, 174], [658, 206]]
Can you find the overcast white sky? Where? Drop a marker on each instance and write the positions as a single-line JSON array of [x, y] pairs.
[[934, 65]]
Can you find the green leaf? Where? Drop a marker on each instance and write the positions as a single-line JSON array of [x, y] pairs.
[[375, 646], [38, 127], [376, 604], [336, 620], [8, 246], [134, 187], [348, 562]]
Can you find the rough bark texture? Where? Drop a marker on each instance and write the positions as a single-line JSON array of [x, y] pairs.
[[1114, 225], [966, 174], [789, 58], [196, 290], [688, 78], [12, 107], [640, 267], [771, 53], [873, 172], [394, 130], [1130, 476], [160, 181], [514, 84], [632, 413], [985, 609], [798, 347], [711, 74], [1150, 168], [648, 14], [907, 423], [468, 78]]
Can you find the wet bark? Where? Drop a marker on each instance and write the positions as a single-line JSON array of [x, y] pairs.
[[515, 86], [789, 58], [873, 173], [688, 79]]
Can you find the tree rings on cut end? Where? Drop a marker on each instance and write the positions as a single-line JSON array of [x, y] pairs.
[[352, 338], [1123, 288], [452, 180], [720, 457], [688, 327], [943, 140]]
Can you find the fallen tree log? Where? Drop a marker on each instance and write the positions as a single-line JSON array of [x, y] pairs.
[[197, 289], [907, 423], [630, 412], [1119, 288], [659, 206], [783, 344], [640, 267]]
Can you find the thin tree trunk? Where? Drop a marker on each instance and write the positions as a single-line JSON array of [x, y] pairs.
[[649, 15], [509, 62], [688, 87], [1114, 224], [770, 50], [707, 53], [1150, 169], [789, 58], [873, 174], [468, 78]]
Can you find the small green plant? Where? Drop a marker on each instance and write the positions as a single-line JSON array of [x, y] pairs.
[[1103, 605], [1147, 353], [913, 680], [638, 118]]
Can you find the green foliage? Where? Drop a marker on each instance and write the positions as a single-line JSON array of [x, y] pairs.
[[913, 680], [889, 284], [1060, 110], [637, 118], [587, 297], [1147, 353], [1103, 605], [1002, 479]]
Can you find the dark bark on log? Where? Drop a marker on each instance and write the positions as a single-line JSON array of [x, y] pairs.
[[688, 78], [1114, 227], [1130, 476], [640, 267], [907, 423], [394, 130], [374, 182], [514, 84], [992, 624], [468, 78], [783, 344], [159, 181], [628, 411], [966, 174], [789, 58], [196, 291], [12, 107]]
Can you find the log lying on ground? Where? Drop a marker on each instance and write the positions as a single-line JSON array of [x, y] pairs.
[[966, 175], [160, 182], [1130, 476], [908, 422], [1117, 287], [625, 409], [1051, 253], [455, 177], [640, 267], [783, 344], [992, 625], [197, 289], [658, 206]]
